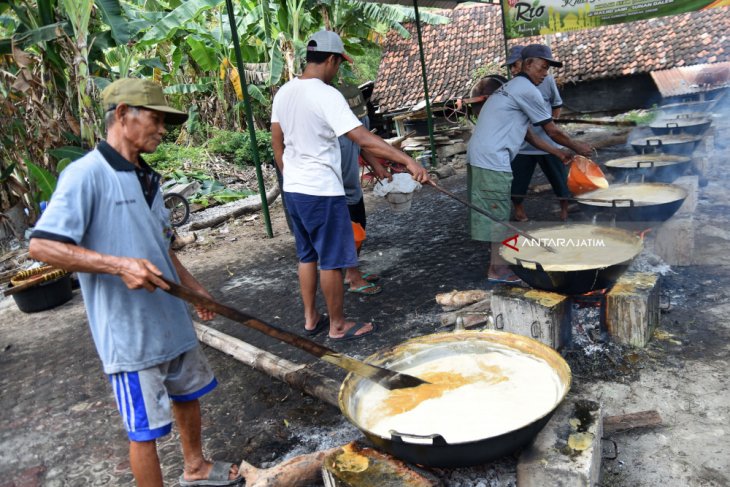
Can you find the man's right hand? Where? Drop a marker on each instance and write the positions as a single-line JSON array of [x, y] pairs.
[[418, 172], [140, 273], [583, 149]]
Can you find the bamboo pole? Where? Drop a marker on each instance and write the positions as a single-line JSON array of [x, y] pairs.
[[249, 118], [429, 114], [296, 375]]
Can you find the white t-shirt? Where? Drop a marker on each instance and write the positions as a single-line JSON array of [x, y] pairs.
[[312, 115]]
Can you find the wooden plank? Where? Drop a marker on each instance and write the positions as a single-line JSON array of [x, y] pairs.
[[625, 422]]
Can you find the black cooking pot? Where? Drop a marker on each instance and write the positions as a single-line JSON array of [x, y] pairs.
[[433, 450], [639, 202], [585, 257], [678, 144], [658, 167]]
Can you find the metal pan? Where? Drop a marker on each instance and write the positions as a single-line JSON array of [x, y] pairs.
[[657, 167], [677, 144], [639, 202], [434, 449], [681, 125], [587, 257]]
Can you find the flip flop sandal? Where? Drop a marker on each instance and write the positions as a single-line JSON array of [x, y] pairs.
[[516, 282], [351, 334], [322, 323], [364, 289], [218, 476], [371, 277]]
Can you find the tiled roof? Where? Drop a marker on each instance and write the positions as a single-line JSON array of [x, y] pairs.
[[473, 39]]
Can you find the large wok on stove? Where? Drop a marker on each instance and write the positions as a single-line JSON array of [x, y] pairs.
[[587, 257], [681, 124], [638, 202], [431, 445], [658, 167], [678, 144]]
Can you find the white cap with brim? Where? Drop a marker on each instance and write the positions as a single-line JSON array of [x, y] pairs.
[[328, 42]]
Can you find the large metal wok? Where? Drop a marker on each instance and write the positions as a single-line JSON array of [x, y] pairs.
[[433, 449], [587, 257], [681, 125], [678, 144], [639, 202], [658, 167]]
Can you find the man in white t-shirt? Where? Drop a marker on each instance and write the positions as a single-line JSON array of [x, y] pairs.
[[308, 115]]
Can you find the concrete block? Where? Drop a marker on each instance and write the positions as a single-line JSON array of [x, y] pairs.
[[692, 185], [567, 452], [537, 314], [674, 241], [632, 308]]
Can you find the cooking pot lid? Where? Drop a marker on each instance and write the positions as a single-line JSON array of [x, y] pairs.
[[643, 161], [578, 247], [642, 194], [679, 122], [666, 139]]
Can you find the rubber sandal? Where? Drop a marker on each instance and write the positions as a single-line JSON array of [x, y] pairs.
[[512, 282], [218, 476], [371, 277], [364, 289], [322, 323], [351, 333]]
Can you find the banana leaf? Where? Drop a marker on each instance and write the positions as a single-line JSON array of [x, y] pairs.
[[43, 179]]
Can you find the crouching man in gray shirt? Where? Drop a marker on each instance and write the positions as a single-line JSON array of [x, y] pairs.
[[502, 127], [107, 221]]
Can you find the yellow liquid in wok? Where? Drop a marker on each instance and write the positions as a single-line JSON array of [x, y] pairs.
[[471, 397]]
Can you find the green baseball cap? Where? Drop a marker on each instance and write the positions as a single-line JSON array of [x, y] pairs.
[[141, 93]]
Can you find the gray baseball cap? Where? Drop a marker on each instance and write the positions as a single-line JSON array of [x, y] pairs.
[[327, 41], [541, 51], [514, 55]]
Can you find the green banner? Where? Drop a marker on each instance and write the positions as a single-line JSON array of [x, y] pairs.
[[524, 18]]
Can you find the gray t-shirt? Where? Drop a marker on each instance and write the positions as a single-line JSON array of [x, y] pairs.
[[549, 90], [350, 152], [103, 208], [503, 123]]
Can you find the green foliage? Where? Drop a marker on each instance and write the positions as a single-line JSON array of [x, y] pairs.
[[640, 117], [234, 146], [44, 180], [486, 70]]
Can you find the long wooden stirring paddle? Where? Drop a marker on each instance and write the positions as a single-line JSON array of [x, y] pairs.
[[385, 377]]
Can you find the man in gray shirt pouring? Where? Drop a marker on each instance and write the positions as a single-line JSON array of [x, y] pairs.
[[502, 127]]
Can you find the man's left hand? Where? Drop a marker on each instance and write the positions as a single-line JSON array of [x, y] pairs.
[[204, 313]]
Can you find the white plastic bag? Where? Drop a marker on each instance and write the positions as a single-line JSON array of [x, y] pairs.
[[401, 183]]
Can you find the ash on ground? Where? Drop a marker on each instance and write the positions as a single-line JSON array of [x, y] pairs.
[[593, 356], [499, 473]]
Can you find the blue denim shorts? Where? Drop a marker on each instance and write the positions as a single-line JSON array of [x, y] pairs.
[[322, 230]]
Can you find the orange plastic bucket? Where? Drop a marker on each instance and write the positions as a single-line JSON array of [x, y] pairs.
[[360, 234], [584, 176]]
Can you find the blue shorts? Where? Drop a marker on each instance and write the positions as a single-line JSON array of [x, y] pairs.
[[322, 230], [143, 397]]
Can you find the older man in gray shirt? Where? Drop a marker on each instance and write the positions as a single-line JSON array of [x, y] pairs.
[[502, 127]]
